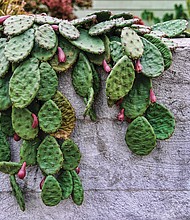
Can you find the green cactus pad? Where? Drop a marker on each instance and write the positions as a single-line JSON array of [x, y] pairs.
[[116, 50], [49, 156], [102, 15], [43, 54], [66, 183], [5, 101], [170, 44], [91, 111], [171, 28], [5, 151], [6, 123], [45, 19], [17, 192], [161, 119], [120, 79], [78, 191], [9, 167], [71, 53], [22, 121], [98, 59], [68, 116], [89, 44], [19, 47], [82, 76], [140, 136], [71, 155], [163, 48], [137, 100], [102, 28], [49, 117], [48, 82], [85, 20], [28, 152], [131, 43], [17, 24], [68, 31], [45, 37], [4, 63], [51, 191], [90, 101], [125, 23], [152, 60], [24, 83], [125, 15]]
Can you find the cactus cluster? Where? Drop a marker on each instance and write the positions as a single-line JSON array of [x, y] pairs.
[[35, 49]]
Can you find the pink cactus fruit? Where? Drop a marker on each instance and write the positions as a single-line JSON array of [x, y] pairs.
[[77, 170], [61, 55], [35, 121], [3, 18], [22, 172], [152, 96], [106, 67], [121, 115], [42, 182], [138, 66], [16, 137], [55, 27]]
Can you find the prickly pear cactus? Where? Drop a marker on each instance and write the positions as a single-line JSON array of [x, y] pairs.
[[36, 49]]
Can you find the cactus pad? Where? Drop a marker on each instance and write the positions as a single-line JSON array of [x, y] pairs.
[[161, 119], [24, 83], [10, 167], [68, 116], [125, 15], [4, 63], [152, 60], [78, 191], [140, 136], [120, 79], [89, 103], [71, 53], [6, 123], [17, 192], [89, 44], [19, 47], [68, 31], [22, 123], [125, 23], [102, 28], [137, 100], [49, 156], [116, 50], [131, 43], [43, 54], [28, 152], [5, 152], [5, 101], [71, 155], [17, 24], [51, 191], [85, 20], [48, 82], [49, 117], [102, 15], [82, 76], [163, 48], [45, 19], [45, 37], [171, 28], [66, 183]]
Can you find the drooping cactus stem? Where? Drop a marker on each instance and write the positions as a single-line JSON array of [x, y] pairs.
[[119, 102], [3, 18], [16, 137], [138, 66], [61, 55], [77, 170], [35, 121], [42, 182], [121, 115], [22, 172], [152, 96], [106, 66], [55, 27]]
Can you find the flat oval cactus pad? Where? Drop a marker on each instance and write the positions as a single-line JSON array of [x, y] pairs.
[[140, 136], [161, 119]]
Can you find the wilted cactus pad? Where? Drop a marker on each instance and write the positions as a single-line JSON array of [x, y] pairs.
[[140, 136], [162, 120]]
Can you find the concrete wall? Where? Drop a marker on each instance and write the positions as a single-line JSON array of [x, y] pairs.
[[119, 185]]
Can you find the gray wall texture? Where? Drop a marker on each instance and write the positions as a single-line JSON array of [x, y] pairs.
[[119, 185]]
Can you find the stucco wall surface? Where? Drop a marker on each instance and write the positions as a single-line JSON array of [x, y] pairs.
[[119, 185]]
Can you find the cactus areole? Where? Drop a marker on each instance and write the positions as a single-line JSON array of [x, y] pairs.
[[36, 49]]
